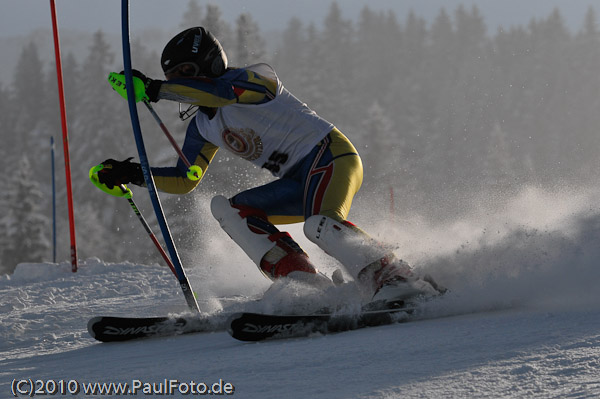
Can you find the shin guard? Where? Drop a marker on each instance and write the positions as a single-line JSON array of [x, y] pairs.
[[274, 252], [367, 260]]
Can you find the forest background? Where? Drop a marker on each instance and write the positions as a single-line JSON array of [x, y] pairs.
[[444, 115]]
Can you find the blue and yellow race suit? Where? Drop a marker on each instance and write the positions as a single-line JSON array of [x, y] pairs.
[[250, 113]]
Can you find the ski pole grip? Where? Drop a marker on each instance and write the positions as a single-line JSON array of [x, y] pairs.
[[117, 191], [194, 172], [117, 81]]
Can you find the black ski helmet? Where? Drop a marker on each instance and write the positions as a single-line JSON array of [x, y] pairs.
[[195, 46]]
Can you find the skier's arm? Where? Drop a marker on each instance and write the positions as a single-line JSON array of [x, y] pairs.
[[238, 86], [200, 152]]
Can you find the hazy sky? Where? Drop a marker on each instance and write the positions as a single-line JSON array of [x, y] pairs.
[[21, 16]]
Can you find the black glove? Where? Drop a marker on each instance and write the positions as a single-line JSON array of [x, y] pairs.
[[152, 86], [115, 173]]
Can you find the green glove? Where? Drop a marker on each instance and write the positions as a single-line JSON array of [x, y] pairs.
[[144, 89]]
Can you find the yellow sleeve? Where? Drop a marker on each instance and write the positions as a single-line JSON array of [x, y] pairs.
[[172, 181]]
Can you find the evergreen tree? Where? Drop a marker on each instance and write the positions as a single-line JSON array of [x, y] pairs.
[[294, 61], [590, 25], [383, 145], [510, 56], [72, 80], [6, 265], [584, 88], [415, 36], [250, 45], [311, 75], [378, 52], [548, 81], [214, 22], [7, 125], [436, 77], [27, 228], [29, 95], [291, 53], [49, 110], [475, 72], [407, 92], [100, 126], [192, 16], [333, 68], [101, 129]]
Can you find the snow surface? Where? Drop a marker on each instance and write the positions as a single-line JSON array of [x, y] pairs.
[[522, 318]]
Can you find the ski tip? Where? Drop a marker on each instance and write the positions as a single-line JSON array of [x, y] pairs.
[[90, 325], [231, 321]]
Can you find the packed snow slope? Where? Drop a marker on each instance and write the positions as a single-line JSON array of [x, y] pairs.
[[522, 318]]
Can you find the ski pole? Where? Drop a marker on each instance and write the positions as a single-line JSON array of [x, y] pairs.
[[194, 171], [123, 191], [141, 218]]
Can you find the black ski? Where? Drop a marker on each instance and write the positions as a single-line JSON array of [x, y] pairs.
[[244, 326], [259, 326], [112, 329]]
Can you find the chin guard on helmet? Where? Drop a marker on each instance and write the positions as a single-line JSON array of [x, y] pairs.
[[185, 114]]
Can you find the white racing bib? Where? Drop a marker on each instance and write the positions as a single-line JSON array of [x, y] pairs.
[[274, 135]]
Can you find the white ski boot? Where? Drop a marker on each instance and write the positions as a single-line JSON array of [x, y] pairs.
[[385, 278], [393, 281]]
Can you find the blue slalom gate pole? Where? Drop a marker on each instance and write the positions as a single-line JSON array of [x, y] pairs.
[[53, 201], [145, 165]]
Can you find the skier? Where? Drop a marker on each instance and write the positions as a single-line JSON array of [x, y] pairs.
[[249, 112]]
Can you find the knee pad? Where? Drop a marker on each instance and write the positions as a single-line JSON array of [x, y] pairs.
[[235, 223], [274, 252]]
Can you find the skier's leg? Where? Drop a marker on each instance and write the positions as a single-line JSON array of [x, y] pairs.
[[380, 274], [274, 252], [333, 180]]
